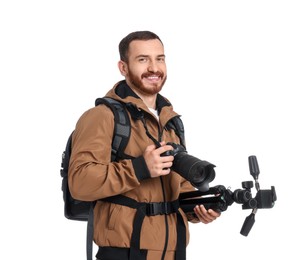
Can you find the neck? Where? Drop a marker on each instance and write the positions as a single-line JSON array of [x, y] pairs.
[[149, 100]]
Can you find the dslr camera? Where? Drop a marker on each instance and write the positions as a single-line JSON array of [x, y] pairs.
[[198, 172]]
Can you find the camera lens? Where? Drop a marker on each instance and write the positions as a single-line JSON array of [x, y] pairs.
[[198, 172]]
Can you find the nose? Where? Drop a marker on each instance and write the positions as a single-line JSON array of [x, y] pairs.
[[153, 66]]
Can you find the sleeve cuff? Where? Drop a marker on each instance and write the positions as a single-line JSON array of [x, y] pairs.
[[140, 168]]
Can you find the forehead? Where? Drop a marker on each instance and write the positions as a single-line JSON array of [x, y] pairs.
[[148, 48]]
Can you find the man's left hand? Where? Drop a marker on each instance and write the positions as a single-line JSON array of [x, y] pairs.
[[204, 215]]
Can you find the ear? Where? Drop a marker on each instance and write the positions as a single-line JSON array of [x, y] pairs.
[[122, 66]]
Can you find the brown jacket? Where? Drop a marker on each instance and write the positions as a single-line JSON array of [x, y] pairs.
[[93, 176]]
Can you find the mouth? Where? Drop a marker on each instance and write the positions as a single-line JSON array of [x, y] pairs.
[[153, 77]]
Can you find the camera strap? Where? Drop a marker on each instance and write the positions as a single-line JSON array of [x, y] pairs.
[[151, 209]]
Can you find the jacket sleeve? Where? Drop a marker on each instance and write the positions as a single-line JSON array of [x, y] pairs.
[[91, 174]]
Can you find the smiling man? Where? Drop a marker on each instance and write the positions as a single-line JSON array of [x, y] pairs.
[[137, 214]]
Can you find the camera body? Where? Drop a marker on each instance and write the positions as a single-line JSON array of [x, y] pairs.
[[177, 148], [198, 172]]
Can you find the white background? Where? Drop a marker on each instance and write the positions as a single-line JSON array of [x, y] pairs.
[[236, 73]]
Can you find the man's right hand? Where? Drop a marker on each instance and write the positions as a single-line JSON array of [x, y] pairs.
[[158, 165]]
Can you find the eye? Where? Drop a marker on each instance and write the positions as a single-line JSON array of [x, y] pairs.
[[161, 59], [142, 59]]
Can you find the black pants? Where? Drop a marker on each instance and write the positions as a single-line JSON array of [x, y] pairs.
[[115, 253]]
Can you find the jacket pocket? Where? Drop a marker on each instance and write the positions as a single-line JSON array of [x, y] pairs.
[[114, 215]]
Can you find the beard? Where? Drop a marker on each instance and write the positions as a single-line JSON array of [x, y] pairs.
[[153, 89]]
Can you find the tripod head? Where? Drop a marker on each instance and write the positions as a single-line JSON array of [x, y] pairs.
[[219, 198]]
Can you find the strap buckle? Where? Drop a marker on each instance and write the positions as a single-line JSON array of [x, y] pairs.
[[160, 208]]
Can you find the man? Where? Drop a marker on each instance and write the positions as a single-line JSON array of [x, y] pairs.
[[144, 177]]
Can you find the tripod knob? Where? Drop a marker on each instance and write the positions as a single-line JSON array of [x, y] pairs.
[[247, 184]]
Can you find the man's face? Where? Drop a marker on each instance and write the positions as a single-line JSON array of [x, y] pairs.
[[145, 70]]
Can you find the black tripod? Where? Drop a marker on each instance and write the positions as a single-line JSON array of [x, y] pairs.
[[219, 198]]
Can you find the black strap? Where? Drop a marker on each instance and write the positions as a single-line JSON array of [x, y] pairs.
[[150, 208], [135, 252], [122, 127], [181, 238], [90, 233], [177, 125]]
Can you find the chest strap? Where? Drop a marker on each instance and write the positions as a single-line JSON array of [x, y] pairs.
[[151, 209]]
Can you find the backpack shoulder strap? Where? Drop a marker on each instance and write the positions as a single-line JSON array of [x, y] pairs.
[[122, 127], [177, 125], [120, 140]]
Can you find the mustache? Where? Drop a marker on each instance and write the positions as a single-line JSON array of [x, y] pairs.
[[150, 74]]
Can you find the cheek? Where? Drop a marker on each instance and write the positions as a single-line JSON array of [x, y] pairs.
[[162, 67], [138, 70]]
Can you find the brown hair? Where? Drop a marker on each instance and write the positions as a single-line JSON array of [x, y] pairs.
[[138, 35]]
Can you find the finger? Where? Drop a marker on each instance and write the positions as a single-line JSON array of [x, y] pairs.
[[167, 165], [203, 215], [214, 213], [201, 218], [164, 149], [167, 160], [165, 171]]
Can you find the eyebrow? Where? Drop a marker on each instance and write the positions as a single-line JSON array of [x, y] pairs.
[[146, 56]]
